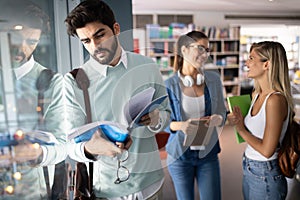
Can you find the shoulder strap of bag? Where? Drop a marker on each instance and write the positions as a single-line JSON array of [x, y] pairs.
[[42, 84], [59, 187], [83, 84]]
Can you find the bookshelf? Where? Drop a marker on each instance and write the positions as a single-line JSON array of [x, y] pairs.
[[160, 43], [225, 52], [293, 55], [225, 57]]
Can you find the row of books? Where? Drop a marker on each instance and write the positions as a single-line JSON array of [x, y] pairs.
[[227, 61], [224, 46], [216, 32], [174, 30]]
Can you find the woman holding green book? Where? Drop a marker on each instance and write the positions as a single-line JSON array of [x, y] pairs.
[[264, 127]]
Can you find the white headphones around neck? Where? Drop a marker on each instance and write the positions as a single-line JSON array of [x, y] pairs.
[[188, 81]]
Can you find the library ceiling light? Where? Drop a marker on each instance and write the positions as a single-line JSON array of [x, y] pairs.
[[18, 27], [263, 17]]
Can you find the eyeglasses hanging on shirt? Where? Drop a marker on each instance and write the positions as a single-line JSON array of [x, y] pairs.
[[122, 172]]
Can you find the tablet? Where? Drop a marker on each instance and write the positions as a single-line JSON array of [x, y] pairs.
[[199, 139]]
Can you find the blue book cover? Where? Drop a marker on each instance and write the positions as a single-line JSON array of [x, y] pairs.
[[112, 131], [139, 105]]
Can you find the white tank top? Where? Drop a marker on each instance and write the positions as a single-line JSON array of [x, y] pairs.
[[256, 125], [192, 107]]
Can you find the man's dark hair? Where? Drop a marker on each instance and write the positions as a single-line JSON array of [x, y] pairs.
[[89, 11]]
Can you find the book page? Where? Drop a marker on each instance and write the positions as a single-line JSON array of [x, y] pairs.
[[147, 109], [34, 136], [137, 103], [82, 129], [41, 137], [112, 131]]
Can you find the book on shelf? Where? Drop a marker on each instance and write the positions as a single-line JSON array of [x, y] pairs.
[[231, 60], [214, 32], [211, 32], [234, 32], [243, 102], [139, 105], [153, 30], [231, 46]]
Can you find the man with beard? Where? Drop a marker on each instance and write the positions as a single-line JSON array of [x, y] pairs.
[[115, 75], [37, 94]]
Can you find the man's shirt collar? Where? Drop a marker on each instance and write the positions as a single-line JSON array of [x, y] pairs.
[[102, 69], [24, 69]]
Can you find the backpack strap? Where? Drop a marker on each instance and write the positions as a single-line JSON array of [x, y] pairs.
[[83, 83], [59, 187], [42, 84]]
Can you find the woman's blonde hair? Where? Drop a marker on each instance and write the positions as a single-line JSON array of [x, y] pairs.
[[278, 74]]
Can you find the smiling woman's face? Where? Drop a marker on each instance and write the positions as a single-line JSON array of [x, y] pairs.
[[196, 53], [255, 65]]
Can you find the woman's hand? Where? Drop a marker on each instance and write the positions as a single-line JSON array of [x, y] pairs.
[[190, 126], [235, 118], [213, 120]]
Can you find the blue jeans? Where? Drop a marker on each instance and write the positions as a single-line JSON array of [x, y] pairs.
[[206, 171], [263, 180]]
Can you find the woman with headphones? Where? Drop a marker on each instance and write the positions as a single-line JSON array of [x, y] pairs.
[[196, 97]]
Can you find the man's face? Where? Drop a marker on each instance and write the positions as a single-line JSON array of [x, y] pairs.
[[23, 43], [100, 41]]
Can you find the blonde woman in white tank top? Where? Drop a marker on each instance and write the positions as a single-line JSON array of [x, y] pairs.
[[266, 122]]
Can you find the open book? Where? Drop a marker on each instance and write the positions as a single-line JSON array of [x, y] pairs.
[[114, 132], [34, 136], [243, 102], [139, 105], [41, 137]]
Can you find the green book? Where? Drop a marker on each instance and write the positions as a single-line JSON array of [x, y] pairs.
[[242, 101]]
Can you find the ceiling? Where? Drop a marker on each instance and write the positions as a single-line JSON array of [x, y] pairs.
[[290, 7]]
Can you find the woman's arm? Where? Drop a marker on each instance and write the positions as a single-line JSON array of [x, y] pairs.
[[276, 113]]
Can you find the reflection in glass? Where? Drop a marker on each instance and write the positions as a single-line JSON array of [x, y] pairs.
[[31, 99]]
